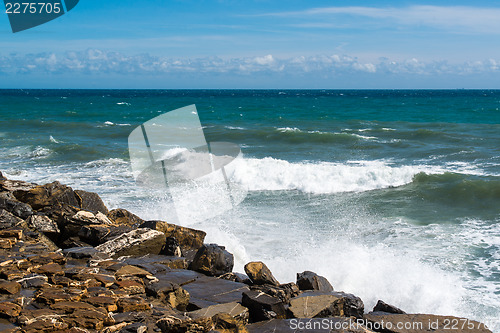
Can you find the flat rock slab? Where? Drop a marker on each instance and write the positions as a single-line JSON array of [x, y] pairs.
[[216, 290], [157, 263], [234, 309], [324, 325], [180, 276], [321, 304], [419, 323]]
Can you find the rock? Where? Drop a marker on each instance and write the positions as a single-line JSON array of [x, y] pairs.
[[43, 223], [33, 281], [258, 272], [308, 280], [16, 234], [8, 220], [321, 304], [215, 290], [157, 263], [189, 239], [50, 295], [123, 216], [169, 293], [134, 304], [134, 328], [135, 242], [131, 287], [91, 202], [283, 292], [73, 225], [96, 234], [263, 306], [9, 310], [212, 260], [172, 247], [130, 270], [224, 322], [236, 277], [318, 325], [15, 185], [53, 194], [9, 287], [182, 277], [86, 252], [234, 309], [49, 269], [17, 208], [384, 307], [416, 323]]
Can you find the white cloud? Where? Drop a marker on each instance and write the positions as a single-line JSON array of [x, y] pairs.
[[465, 18], [98, 62]]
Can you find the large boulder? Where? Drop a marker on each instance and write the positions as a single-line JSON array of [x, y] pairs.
[[384, 307], [189, 239], [43, 223], [15, 185], [72, 225], [95, 234], [308, 280], [258, 272], [12, 205], [53, 194], [136, 242], [123, 216], [417, 323], [90, 201], [263, 306], [212, 260], [321, 305]]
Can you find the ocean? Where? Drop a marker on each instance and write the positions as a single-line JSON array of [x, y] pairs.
[[390, 194]]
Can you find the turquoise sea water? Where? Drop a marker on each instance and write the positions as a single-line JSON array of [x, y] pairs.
[[391, 195]]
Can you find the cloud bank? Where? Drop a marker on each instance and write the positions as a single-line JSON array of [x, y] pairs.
[[99, 62]]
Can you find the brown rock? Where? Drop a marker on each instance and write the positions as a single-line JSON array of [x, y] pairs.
[[417, 323], [123, 216], [43, 223], [212, 260], [321, 305], [189, 239], [9, 310], [107, 302], [135, 242], [96, 234], [49, 269], [91, 202], [384, 307], [131, 287], [234, 309], [130, 270], [9, 287], [12, 205], [53, 194], [311, 281], [8, 220], [258, 272], [51, 295], [132, 304], [15, 185]]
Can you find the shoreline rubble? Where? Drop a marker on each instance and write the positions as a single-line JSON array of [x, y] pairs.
[[68, 264]]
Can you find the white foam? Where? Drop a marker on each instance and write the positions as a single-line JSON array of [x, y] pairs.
[[123, 103], [51, 138]]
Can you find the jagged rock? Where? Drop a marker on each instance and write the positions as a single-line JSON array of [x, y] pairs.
[[9, 310], [15, 185], [123, 216], [189, 239], [169, 293], [284, 292], [413, 323], [10, 204], [263, 306], [72, 226], [8, 220], [308, 280], [234, 309], [43, 223], [172, 247], [85, 252], [212, 260], [90, 201], [130, 304], [9, 287], [53, 194], [320, 305], [384, 307], [258, 272], [136, 242], [236, 277], [96, 234]]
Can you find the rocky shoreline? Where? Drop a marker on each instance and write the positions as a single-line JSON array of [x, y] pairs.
[[68, 264]]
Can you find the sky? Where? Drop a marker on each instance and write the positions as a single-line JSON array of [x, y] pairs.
[[317, 44]]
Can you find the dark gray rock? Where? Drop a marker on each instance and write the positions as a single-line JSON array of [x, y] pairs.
[[43, 223], [384, 307], [212, 260], [172, 247], [136, 242], [87, 252], [215, 290], [263, 306], [307, 325], [8, 220], [91, 202], [96, 234], [308, 280], [12, 205]]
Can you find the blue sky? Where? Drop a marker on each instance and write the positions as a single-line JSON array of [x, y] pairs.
[[258, 44]]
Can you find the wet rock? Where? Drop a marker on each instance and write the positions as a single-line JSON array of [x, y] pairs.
[[308, 280], [212, 260], [17, 208], [53, 194], [234, 309], [215, 290], [263, 306], [384, 307], [91, 202], [414, 323], [136, 242], [123, 216], [189, 239], [320, 305], [43, 223], [9, 287], [172, 247], [258, 272], [9, 310], [96, 234], [132, 304], [8, 220]]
